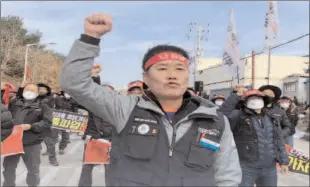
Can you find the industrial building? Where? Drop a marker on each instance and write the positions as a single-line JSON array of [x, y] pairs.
[[298, 86], [251, 74]]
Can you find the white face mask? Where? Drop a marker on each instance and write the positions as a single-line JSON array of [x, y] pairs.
[[29, 95], [219, 102], [285, 105], [67, 96], [255, 104]]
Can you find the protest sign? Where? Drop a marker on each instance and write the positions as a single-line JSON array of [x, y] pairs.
[[298, 162], [69, 121]]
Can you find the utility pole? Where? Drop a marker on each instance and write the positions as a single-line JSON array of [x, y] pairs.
[[196, 33]]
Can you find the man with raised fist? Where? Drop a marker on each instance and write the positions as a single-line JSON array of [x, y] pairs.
[[167, 137]]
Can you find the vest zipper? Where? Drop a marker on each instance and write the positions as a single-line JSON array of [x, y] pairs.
[[174, 135]]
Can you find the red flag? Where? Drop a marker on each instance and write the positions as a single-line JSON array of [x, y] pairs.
[[6, 95], [13, 144]]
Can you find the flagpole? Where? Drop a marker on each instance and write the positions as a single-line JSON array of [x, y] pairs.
[[238, 78], [269, 59]]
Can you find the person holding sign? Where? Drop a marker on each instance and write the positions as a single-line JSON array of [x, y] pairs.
[[258, 137], [46, 96], [35, 119], [167, 137], [63, 103]]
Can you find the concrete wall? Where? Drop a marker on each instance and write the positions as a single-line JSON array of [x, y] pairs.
[[300, 84]]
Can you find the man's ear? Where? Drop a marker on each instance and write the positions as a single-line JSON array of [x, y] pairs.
[[145, 76]]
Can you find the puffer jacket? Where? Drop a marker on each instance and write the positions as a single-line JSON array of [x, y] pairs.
[[258, 138], [7, 123]]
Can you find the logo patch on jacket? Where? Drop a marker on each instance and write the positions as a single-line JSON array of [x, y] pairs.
[[212, 132], [144, 129], [144, 120]]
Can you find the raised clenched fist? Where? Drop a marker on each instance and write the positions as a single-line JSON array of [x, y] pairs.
[[96, 69], [97, 25]]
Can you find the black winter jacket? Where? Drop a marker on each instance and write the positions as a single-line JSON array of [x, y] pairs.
[[257, 147], [64, 104], [49, 97], [7, 123], [35, 113], [292, 115], [287, 128]]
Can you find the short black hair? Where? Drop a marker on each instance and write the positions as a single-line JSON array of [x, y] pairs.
[[163, 48]]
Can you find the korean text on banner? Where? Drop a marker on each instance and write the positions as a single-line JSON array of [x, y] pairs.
[[13, 144], [69, 121], [231, 56], [97, 151], [298, 162], [271, 25]]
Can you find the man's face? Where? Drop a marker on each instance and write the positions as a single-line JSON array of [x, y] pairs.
[[31, 88], [167, 79], [42, 90], [135, 92]]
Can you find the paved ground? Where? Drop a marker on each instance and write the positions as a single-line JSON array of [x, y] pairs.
[[68, 173]]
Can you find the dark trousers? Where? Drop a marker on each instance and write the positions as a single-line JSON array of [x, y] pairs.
[[32, 161], [259, 176], [50, 145], [64, 138], [86, 178]]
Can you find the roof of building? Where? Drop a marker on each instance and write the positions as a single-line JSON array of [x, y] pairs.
[[298, 75]]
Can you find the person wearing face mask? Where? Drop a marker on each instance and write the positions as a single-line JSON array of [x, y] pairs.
[[292, 113], [46, 96], [35, 119], [218, 100], [167, 137], [273, 108], [63, 102], [258, 138]]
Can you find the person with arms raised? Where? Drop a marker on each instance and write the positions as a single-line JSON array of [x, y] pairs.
[[167, 137]]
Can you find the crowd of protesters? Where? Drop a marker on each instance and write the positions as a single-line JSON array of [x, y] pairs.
[[163, 133]]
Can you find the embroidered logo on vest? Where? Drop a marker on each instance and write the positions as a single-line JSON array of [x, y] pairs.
[[143, 129]]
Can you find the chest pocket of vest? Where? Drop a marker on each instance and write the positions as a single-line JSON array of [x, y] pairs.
[[200, 158], [141, 141]]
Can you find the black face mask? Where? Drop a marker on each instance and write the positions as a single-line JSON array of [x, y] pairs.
[[271, 99], [42, 94]]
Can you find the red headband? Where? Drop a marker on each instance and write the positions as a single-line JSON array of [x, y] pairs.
[[135, 84], [164, 56]]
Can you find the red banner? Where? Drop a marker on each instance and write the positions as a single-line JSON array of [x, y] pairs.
[[13, 144], [97, 151]]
